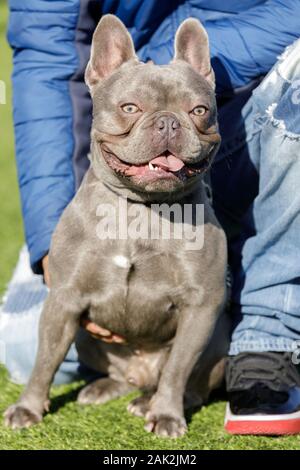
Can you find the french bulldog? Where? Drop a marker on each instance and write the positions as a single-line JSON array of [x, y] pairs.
[[153, 137]]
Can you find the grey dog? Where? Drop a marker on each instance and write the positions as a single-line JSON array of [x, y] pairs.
[[154, 135]]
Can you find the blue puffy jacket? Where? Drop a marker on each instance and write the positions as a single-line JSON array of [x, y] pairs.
[[52, 109]]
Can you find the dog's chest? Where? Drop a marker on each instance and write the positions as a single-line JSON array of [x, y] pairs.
[[140, 291]]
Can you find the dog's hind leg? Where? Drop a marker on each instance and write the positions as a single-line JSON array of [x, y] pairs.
[[102, 390], [140, 406], [109, 359]]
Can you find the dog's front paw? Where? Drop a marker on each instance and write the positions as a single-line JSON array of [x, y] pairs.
[[18, 417], [165, 425]]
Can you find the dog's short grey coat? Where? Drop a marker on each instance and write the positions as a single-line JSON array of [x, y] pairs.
[[165, 300]]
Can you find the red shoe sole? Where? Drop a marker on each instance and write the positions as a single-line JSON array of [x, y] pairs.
[[273, 425]]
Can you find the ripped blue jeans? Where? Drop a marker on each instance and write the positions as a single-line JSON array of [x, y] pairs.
[[256, 185]]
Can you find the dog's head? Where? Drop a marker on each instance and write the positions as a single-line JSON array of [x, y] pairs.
[[154, 127]]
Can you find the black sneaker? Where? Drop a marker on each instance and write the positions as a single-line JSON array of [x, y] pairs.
[[264, 394]]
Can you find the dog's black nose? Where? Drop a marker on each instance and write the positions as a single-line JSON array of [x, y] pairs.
[[167, 125]]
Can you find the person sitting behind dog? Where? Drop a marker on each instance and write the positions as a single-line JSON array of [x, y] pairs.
[[254, 177]]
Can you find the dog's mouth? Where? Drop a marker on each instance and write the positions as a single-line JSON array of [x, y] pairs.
[[165, 165]]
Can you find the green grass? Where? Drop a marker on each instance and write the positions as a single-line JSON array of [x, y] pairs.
[[110, 426], [69, 426]]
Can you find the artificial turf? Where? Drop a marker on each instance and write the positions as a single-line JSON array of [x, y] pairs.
[[68, 425]]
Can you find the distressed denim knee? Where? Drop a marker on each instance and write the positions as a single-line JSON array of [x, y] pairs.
[[266, 293], [19, 320]]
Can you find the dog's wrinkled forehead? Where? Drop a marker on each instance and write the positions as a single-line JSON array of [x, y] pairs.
[[170, 87]]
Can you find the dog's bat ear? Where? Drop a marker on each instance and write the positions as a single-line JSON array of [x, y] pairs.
[[192, 46], [111, 47]]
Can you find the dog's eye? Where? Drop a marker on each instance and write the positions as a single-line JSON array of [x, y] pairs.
[[130, 108], [199, 110]]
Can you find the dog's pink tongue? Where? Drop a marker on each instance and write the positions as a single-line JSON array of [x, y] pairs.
[[169, 163]]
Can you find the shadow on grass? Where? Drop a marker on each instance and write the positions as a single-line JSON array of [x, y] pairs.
[[70, 396], [85, 376], [218, 395], [60, 401]]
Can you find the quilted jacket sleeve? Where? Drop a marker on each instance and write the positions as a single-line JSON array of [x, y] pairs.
[[41, 34], [243, 46]]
